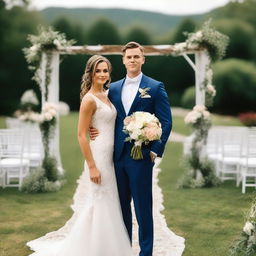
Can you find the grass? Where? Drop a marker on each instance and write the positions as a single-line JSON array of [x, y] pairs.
[[180, 127], [209, 219], [27, 216]]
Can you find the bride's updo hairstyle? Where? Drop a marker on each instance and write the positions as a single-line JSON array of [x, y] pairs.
[[89, 72]]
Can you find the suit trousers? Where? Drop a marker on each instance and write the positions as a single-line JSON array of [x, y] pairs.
[[134, 181]]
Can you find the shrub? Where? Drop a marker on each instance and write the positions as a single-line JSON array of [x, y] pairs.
[[188, 98], [235, 82], [36, 182]]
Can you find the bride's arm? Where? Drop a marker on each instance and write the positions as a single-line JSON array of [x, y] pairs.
[[87, 109]]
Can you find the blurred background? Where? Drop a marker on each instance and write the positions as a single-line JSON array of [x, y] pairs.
[[234, 77]]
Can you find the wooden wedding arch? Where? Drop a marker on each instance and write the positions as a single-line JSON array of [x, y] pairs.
[[200, 65]]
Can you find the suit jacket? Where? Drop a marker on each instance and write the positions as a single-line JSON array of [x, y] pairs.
[[157, 104]]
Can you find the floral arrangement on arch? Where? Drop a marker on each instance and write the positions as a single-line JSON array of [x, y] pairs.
[[201, 171], [42, 47], [215, 43], [46, 42]]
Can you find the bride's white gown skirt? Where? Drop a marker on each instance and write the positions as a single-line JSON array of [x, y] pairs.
[[96, 227]]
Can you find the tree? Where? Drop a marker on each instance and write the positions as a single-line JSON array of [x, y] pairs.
[[241, 10], [235, 82], [242, 35], [138, 34], [103, 32], [16, 24], [186, 25], [72, 31]]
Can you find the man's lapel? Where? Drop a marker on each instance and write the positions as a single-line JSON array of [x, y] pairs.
[[143, 84], [119, 97]]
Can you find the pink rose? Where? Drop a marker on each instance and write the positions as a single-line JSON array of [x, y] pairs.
[[127, 120], [150, 133]]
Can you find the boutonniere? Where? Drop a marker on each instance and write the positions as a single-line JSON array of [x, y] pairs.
[[144, 92]]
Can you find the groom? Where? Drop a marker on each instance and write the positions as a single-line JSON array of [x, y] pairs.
[[134, 177]]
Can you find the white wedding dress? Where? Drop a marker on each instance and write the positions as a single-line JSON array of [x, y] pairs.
[[96, 228]]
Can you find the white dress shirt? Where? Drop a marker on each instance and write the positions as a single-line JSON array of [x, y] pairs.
[[129, 91]]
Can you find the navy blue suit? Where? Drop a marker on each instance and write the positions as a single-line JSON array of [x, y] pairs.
[[134, 177]]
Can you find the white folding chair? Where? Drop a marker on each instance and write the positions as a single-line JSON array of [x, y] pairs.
[[33, 146], [214, 146], [232, 141], [12, 163], [248, 163]]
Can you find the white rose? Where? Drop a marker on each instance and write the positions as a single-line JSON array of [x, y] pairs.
[[63, 108], [52, 111], [34, 48], [29, 96], [199, 108], [192, 117], [199, 35], [210, 88], [135, 134], [48, 116], [57, 43], [248, 228]]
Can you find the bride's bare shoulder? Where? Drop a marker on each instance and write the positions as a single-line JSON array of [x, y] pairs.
[[88, 102]]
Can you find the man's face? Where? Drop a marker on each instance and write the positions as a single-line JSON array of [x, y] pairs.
[[133, 60]]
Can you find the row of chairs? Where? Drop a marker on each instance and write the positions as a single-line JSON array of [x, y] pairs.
[[233, 150], [20, 151]]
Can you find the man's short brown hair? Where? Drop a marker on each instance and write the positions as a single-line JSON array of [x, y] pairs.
[[132, 45]]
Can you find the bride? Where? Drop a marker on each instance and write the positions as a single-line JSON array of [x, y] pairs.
[[96, 227]]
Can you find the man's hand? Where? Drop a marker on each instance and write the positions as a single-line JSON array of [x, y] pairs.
[[153, 156], [93, 132]]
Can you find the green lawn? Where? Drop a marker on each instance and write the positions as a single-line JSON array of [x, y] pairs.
[[180, 127], [209, 219]]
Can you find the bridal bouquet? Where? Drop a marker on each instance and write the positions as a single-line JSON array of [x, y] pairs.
[[142, 127]]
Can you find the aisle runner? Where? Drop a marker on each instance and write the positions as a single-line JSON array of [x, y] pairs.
[[166, 243]]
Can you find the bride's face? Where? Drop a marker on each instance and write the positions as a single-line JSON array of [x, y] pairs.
[[101, 74]]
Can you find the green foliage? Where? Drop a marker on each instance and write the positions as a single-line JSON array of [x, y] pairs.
[[235, 82], [211, 39], [16, 24], [37, 182], [50, 167], [241, 10], [186, 25], [242, 36], [188, 97], [207, 169], [34, 183], [72, 31], [157, 24], [189, 181], [103, 32]]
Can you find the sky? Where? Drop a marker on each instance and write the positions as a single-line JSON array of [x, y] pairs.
[[176, 7]]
